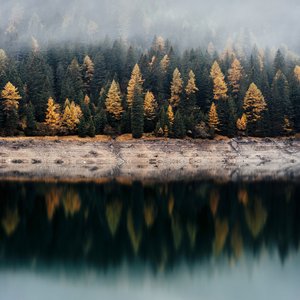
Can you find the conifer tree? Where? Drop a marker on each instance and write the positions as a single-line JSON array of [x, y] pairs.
[[100, 121], [254, 107], [30, 119], [280, 104], [176, 88], [241, 123], [100, 75], [88, 74], [53, 119], [295, 96], [170, 115], [235, 74], [178, 126], [220, 87], [10, 105], [213, 119], [134, 83], [191, 87], [71, 116], [72, 86], [113, 101], [150, 106], [137, 117]]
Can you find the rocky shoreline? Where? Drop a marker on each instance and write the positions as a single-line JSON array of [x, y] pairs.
[[149, 159]]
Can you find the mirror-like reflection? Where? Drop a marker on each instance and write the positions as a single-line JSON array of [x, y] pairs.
[[157, 227]]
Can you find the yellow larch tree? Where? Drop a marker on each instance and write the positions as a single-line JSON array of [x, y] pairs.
[[254, 104], [191, 87], [220, 87], [235, 74], [150, 106], [170, 115], [241, 123], [164, 63], [71, 116], [113, 101], [297, 73], [53, 119], [11, 97], [176, 88], [213, 119], [136, 81]]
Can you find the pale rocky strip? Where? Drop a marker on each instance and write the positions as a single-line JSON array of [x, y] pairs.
[[149, 159]]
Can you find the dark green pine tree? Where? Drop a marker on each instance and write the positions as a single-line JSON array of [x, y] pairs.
[[224, 115], [82, 127], [72, 86], [295, 98], [178, 126], [39, 81], [91, 128], [100, 121], [279, 63], [254, 69], [100, 76], [280, 104], [30, 119], [137, 114]]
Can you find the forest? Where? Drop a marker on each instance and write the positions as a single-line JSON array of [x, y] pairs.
[[114, 88]]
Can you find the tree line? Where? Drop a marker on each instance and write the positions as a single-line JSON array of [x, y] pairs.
[[118, 88]]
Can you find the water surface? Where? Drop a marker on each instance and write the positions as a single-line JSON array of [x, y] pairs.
[[124, 240]]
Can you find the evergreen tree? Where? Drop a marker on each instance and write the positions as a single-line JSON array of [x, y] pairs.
[[295, 96], [254, 107], [178, 126], [10, 105], [30, 119], [100, 121], [280, 104], [72, 86], [137, 117], [39, 83]]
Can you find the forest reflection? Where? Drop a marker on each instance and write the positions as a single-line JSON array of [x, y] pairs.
[[159, 224]]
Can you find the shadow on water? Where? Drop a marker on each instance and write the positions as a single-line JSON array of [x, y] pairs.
[[101, 226]]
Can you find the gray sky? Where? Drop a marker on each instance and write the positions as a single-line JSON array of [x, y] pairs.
[[191, 22]]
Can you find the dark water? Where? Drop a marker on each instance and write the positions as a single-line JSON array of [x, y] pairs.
[[181, 240]]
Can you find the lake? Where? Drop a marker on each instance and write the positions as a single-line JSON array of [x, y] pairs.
[[139, 240]]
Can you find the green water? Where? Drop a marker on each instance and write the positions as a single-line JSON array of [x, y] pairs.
[[180, 240]]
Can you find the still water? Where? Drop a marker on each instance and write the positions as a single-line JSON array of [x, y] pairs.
[[122, 240]]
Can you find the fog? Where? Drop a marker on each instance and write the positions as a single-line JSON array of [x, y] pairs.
[[188, 23]]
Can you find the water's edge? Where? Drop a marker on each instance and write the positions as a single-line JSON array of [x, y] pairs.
[[155, 160]]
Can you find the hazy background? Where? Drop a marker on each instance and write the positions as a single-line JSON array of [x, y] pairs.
[[188, 22]]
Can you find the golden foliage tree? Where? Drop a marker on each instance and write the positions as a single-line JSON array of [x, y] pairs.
[[52, 201], [176, 88], [88, 73], [241, 123], [71, 116], [297, 73], [136, 81], [220, 87], [71, 202], [191, 87], [164, 63], [213, 120], [11, 97], [254, 104], [150, 106], [53, 119], [235, 74], [170, 115], [221, 233], [113, 101]]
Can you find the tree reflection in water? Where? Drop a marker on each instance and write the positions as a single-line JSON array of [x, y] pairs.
[[101, 224]]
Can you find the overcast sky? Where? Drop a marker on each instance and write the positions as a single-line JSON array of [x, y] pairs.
[[273, 22]]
